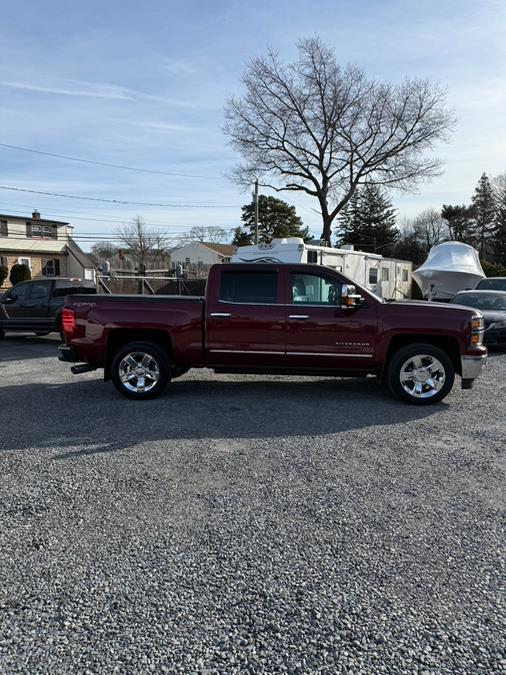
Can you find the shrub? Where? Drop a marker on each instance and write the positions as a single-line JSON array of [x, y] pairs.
[[493, 270], [19, 273]]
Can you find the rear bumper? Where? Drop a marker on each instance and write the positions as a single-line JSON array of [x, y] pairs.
[[67, 353], [472, 366]]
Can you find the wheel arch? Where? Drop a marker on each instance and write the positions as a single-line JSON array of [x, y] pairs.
[[448, 344], [121, 336]]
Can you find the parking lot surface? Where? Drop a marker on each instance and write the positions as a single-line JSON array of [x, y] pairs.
[[247, 524]]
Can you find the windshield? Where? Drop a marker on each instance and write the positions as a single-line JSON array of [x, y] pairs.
[[492, 284], [490, 302]]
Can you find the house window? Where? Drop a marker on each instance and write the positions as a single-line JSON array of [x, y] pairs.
[[187, 261], [51, 267], [373, 275], [384, 274], [312, 256], [42, 230], [4, 230], [404, 275], [25, 261]]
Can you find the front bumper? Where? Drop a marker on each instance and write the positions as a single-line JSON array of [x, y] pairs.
[[495, 337], [472, 366], [67, 353]]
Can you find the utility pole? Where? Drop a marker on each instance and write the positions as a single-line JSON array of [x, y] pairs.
[[255, 198]]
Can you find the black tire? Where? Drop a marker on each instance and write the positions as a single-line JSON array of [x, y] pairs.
[[416, 385], [157, 362]]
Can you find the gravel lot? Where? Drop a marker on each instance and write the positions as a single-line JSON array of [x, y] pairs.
[[247, 524]]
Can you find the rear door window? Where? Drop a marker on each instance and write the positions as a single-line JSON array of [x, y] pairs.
[[39, 291], [259, 288]]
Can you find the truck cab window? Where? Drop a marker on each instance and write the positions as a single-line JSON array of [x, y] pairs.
[[20, 292], [39, 290], [249, 287], [312, 289]]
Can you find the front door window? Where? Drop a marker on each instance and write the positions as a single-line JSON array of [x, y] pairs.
[[313, 289]]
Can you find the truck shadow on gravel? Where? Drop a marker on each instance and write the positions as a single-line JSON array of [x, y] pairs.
[[88, 417], [23, 347]]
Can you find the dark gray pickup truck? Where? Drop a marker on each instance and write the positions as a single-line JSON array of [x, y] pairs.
[[36, 305]]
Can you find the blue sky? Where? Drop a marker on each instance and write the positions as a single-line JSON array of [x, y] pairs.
[[143, 84]]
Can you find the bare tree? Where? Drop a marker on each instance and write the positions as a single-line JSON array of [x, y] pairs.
[[210, 234], [316, 127], [143, 243], [431, 227], [103, 250]]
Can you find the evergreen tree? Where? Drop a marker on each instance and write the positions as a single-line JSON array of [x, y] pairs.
[[276, 219], [370, 225], [347, 220], [241, 237], [484, 205], [461, 222]]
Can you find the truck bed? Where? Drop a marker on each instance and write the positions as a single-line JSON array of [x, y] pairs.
[[174, 318]]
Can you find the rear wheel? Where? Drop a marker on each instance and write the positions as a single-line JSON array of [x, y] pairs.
[[140, 370], [421, 374]]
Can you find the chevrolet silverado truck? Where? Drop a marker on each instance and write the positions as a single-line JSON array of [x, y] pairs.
[[279, 319]]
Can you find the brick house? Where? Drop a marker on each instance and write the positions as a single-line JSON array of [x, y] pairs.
[[46, 246]]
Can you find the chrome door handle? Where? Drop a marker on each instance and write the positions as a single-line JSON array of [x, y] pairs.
[[301, 317], [220, 315]]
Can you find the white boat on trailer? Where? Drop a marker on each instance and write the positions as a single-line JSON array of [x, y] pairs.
[[386, 277], [450, 267]]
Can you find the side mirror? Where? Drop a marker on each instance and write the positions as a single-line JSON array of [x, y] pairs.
[[349, 299], [8, 297]]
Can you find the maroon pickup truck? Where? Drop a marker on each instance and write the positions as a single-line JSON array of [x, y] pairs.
[[278, 319]]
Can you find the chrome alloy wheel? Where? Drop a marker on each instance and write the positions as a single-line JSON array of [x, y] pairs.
[[139, 372], [422, 376]]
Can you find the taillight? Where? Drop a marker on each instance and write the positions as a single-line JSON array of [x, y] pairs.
[[68, 321]]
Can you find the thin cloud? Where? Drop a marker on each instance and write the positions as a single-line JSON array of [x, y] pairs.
[[179, 66], [110, 93], [150, 125], [78, 88]]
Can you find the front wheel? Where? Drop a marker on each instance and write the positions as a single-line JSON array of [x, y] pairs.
[[421, 374], [140, 370]]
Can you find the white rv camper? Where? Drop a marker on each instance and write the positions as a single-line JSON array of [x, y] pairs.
[[386, 277]]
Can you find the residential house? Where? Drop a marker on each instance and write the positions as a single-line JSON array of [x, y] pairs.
[[197, 254], [45, 246]]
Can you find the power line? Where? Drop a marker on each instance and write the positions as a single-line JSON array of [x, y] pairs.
[[119, 201], [111, 220], [109, 164]]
